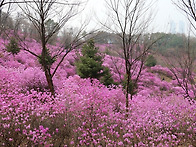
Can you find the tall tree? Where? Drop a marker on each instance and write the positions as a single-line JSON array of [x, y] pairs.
[[39, 13], [184, 68], [182, 65], [129, 20], [189, 9], [4, 16]]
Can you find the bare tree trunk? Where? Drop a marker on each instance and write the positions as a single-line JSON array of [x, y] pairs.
[[0, 15], [129, 24], [186, 60], [38, 13], [49, 81], [44, 56], [127, 93]]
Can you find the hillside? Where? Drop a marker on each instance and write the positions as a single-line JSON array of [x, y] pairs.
[[85, 112]]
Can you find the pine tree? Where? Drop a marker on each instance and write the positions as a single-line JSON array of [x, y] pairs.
[[107, 79], [90, 64], [13, 47], [151, 61]]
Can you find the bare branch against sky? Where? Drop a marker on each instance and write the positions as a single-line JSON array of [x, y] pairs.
[[167, 19]]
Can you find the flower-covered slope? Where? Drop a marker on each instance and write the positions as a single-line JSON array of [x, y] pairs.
[[86, 113]]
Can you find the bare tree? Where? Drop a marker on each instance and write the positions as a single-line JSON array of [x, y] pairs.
[[5, 19], [129, 21], [189, 9], [39, 13], [2, 3], [183, 67]]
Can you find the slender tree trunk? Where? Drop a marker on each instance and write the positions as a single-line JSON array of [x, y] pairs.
[[44, 54], [127, 92], [47, 70], [0, 14], [49, 81], [127, 103], [0, 19]]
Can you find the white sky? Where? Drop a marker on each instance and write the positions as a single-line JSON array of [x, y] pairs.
[[168, 17], [168, 14]]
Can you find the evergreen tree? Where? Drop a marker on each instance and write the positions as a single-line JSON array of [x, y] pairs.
[[48, 59], [151, 61], [90, 64], [107, 79], [12, 46]]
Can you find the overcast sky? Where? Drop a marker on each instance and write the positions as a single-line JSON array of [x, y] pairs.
[[168, 17]]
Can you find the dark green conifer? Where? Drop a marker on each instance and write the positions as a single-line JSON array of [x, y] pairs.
[[90, 65], [13, 47], [151, 61]]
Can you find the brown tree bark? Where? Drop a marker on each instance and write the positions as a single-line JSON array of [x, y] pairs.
[[49, 81]]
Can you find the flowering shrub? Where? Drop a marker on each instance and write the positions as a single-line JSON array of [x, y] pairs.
[[91, 114], [85, 112], [116, 66]]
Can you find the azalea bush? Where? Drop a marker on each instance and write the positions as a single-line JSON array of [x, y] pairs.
[[84, 112], [91, 114]]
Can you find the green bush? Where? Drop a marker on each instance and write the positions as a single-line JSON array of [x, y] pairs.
[[151, 61], [107, 79], [90, 65], [47, 60], [12, 46]]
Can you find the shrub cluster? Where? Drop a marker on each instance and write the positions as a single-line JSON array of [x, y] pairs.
[[87, 113]]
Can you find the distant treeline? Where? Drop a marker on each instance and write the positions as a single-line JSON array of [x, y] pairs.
[[166, 42], [172, 42]]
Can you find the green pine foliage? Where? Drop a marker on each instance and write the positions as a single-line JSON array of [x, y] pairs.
[[151, 61], [47, 60], [13, 47], [107, 79], [90, 65]]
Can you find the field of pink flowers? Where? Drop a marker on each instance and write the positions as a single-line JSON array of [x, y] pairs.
[[89, 114]]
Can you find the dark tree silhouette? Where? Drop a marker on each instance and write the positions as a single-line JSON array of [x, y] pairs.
[[129, 21]]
